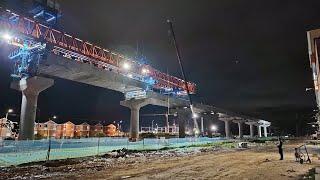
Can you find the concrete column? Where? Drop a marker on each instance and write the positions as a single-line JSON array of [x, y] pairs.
[[182, 126], [135, 105], [259, 131], [202, 128], [30, 89], [134, 123], [167, 123], [227, 128], [240, 129], [251, 130], [265, 131]]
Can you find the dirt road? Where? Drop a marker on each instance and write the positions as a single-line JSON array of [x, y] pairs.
[[255, 163], [231, 165]]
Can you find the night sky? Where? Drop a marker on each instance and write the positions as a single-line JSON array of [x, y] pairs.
[[246, 56]]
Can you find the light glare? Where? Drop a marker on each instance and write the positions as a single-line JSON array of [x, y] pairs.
[[126, 66], [7, 36], [213, 128], [145, 71], [195, 115]]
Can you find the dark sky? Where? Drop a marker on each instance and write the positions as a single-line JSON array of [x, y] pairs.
[[246, 56]]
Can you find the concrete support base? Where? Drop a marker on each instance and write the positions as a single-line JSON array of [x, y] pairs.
[[30, 89]]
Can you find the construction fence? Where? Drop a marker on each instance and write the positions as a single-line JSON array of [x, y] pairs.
[[20, 152]]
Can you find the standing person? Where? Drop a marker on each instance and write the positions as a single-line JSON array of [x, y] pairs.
[[280, 148]]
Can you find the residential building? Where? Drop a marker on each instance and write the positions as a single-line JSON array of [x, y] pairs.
[[110, 130], [98, 128], [82, 130]]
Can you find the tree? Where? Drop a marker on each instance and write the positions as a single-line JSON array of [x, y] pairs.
[[100, 134]]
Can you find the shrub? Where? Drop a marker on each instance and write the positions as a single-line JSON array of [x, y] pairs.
[[100, 134]]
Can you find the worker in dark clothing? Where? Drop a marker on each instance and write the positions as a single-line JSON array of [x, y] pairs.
[[280, 149]]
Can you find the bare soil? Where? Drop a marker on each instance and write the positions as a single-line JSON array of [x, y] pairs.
[[257, 162]]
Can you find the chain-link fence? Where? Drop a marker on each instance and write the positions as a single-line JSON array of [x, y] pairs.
[[19, 152]]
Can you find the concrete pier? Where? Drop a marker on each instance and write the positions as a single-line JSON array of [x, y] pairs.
[[240, 127], [259, 131], [135, 105], [251, 124], [182, 126], [265, 131], [202, 126], [227, 128], [30, 89], [251, 130]]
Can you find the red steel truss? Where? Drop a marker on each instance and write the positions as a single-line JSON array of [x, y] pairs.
[[29, 27]]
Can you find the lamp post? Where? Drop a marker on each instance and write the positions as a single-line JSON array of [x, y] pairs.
[[48, 131], [213, 129], [8, 112]]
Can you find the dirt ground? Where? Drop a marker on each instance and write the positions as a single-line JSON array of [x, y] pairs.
[[259, 162]]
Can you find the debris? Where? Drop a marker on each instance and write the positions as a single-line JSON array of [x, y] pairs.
[[125, 177]]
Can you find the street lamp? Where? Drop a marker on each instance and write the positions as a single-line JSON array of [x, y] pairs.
[[8, 112], [152, 126], [309, 89]]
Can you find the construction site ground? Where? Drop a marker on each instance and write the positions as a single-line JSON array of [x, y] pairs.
[[259, 161]]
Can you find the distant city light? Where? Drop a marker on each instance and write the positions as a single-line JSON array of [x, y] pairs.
[[213, 128], [10, 110], [7, 36], [54, 117], [126, 66], [212, 113], [145, 71], [196, 131]]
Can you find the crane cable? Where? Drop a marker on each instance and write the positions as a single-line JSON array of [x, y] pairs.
[[183, 76]]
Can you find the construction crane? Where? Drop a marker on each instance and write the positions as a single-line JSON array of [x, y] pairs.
[[34, 40], [194, 115]]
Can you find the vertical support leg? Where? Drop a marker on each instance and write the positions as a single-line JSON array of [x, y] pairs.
[[202, 128], [28, 115], [259, 131], [182, 127], [30, 89], [134, 124], [265, 131], [227, 128], [251, 130], [240, 129]]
